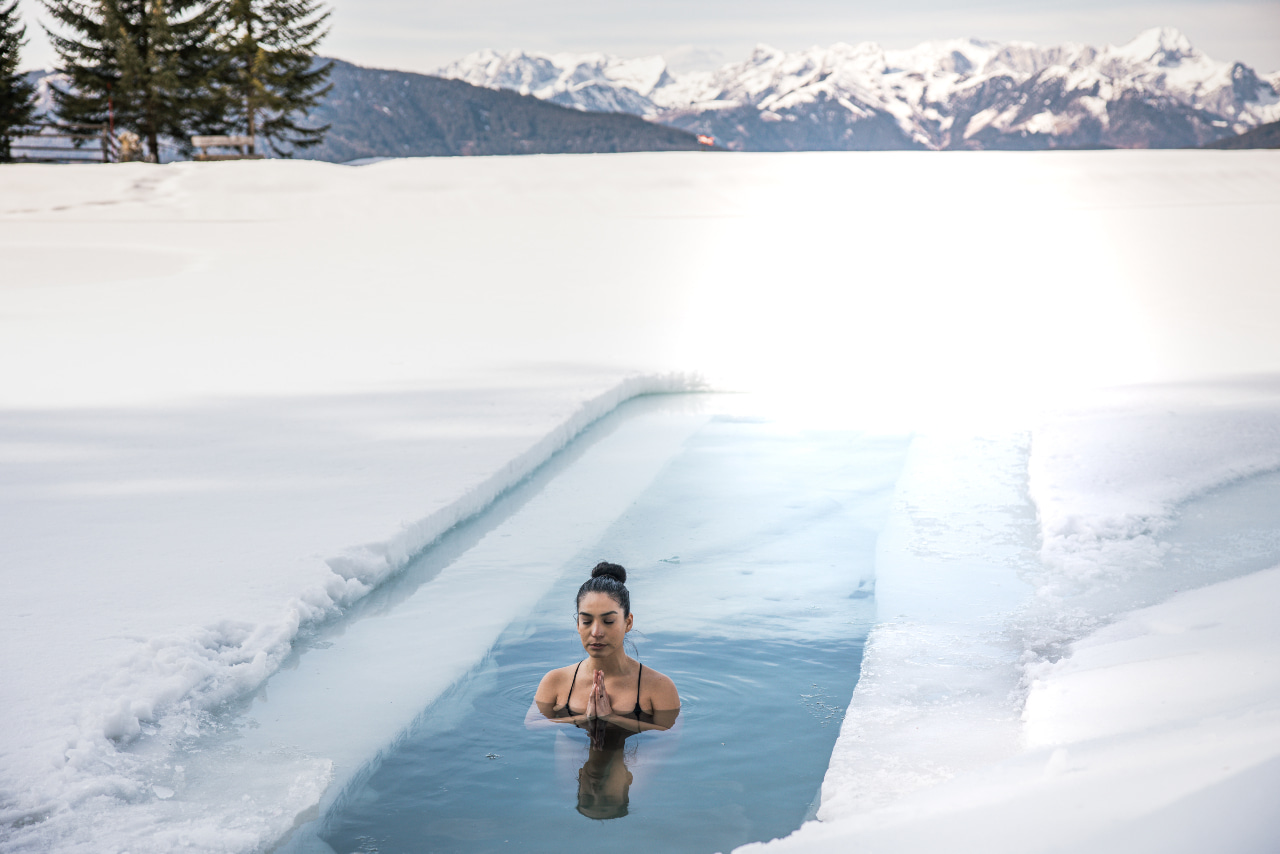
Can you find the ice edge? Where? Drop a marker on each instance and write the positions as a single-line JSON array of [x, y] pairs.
[[221, 662]]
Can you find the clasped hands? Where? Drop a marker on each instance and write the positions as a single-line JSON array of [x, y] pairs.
[[599, 708], [598, 705]]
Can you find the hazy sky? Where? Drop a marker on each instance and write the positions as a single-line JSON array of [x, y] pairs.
[[415, 35]]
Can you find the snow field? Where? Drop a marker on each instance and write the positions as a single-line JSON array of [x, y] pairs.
[[234, 398]]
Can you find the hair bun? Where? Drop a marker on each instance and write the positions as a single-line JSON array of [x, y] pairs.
[[610, 569]]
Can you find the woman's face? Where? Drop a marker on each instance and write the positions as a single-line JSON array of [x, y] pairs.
[[601, 625]]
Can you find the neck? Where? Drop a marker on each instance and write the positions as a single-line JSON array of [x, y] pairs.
[[613, 665]]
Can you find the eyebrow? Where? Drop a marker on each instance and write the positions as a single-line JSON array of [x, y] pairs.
[[589, 614]]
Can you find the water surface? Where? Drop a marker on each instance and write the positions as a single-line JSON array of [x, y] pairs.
[[751, 560]]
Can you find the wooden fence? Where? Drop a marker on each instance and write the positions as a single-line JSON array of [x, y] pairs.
[[58, 143]]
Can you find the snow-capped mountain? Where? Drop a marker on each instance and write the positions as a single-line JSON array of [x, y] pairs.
[[1157, 91], [594, 81]]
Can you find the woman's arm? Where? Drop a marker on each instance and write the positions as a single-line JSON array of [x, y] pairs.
[[541, 712], [663, 720], [543, 715]]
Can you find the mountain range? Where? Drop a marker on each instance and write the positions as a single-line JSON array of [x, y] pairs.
[[1156, 91]]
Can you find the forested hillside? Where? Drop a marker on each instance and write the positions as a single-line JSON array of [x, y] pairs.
[[1263, 136], [377, 113]]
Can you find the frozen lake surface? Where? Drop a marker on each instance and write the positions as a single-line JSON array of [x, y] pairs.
[[238, 400], [751, 550]]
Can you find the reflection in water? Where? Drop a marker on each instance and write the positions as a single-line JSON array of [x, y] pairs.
[[605, 778], [604, 783]]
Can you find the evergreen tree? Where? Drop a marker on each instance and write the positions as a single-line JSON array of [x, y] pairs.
[[17, 96], [271, 78], [142, 65]]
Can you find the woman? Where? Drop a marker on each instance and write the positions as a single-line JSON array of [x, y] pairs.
[[608, 687]]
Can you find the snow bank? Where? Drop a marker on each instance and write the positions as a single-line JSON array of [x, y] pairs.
[[1186, 662], [933, 698], [1003, 549], [371, 564], [1012, 699], [1107, 479], [1160, 733]]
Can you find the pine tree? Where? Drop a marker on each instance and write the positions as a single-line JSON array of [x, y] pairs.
[[142, 65], [17, 96], [271, 78]]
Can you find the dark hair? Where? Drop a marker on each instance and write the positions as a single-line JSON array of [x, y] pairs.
[[609, 579]]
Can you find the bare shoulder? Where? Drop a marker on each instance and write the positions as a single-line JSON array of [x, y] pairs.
[[660, 689], [554, 684]]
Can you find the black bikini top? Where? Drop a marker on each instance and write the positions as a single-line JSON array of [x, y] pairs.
[[565, 712]]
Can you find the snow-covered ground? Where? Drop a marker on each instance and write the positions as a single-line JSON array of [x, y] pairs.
[[235, 398]]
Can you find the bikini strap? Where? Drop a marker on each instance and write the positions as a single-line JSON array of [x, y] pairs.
[[571, 682], [639, 673]]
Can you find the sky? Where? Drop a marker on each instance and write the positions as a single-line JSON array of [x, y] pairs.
[[412, 35]]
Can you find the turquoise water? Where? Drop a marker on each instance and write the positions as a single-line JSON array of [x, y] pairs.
[[744, 763], [751, 561]]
